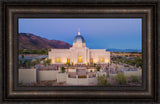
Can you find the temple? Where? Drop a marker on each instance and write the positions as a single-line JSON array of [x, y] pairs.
[[79, 54]]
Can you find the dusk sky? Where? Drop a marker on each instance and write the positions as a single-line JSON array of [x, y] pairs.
[[98, 33]]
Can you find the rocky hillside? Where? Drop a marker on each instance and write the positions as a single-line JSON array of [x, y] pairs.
[[31, 41]]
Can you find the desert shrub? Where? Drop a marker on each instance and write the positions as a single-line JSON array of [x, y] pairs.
[[121, 78], [102, 81], [134, 78]]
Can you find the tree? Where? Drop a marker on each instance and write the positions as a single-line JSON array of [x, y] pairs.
[[27, 63], [38, 61], [98, 68], [22, 56], [47, 62], [33, 63], [102, 81], [63, 69], [121, 78]]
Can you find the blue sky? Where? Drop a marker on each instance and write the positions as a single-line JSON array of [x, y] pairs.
[[99, 33]]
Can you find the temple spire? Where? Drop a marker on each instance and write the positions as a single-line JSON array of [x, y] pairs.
[[79, 31]]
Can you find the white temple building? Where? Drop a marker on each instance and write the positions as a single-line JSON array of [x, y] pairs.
[[79, 54]]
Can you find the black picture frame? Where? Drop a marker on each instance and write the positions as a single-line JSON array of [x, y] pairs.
[[12, 10]]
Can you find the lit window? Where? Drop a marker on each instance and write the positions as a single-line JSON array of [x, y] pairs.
[[80, 59], [57, 60], [101, 59]]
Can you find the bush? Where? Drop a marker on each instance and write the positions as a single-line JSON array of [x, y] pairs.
[[121, 78], [102, 81], [134, 78]]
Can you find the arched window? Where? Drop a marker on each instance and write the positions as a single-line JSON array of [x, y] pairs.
[[79, 59]]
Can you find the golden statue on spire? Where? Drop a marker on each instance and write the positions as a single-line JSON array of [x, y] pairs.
[[79, 31]]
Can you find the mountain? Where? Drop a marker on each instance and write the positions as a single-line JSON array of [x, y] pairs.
[[124, 50], [31, 41]]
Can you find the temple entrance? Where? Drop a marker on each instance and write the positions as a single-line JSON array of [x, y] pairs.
[[80, 59], [68, 60], [91, 60]]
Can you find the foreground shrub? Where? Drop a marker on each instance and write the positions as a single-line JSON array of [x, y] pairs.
[[102, 81], [134, 78], [121, 78]]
